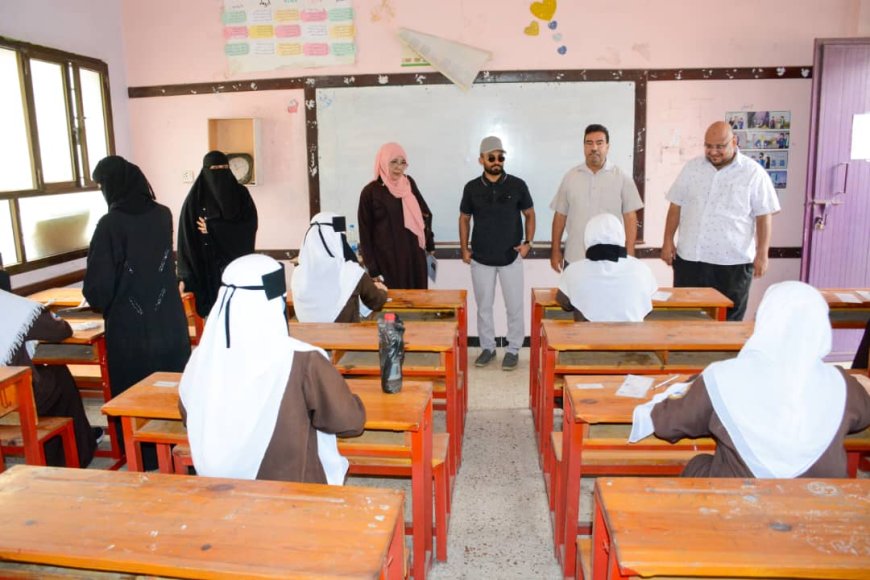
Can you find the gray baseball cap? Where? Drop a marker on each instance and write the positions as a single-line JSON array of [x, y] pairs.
[[491, 144]]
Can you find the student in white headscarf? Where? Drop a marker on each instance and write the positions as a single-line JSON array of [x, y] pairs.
[[609, 285], [257, 403], [777, 410], [329, 285]]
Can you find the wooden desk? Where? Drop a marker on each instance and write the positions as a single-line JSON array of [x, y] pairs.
[[453, 303], [668, 346], [688, 301], [408, 411], [585, 408], [85, 347], [847, 314], [197, 527], [747, 528], [440, 338], [57, 298]]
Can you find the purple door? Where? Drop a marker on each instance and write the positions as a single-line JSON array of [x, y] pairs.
[[836, 248]]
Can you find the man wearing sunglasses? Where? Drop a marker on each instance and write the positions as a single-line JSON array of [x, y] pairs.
[[497, 203], [589, 189]]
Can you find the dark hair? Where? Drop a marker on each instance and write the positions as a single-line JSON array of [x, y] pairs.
[[596, 128]]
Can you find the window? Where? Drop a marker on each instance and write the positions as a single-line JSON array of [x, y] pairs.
[[57, 124]]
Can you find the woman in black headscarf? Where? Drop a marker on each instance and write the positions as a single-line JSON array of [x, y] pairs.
[[130, 278], [218, 224]]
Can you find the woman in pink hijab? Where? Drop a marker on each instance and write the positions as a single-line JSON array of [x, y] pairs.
[[395, 224]]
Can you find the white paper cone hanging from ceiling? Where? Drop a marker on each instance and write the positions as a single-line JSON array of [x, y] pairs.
[[458, 62]]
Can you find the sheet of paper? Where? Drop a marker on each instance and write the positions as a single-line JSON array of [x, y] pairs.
[[661, 296], [80, 326], [864, 294], [588, 386], [848, 297], [432, 264], [635, 386], [165, 383]]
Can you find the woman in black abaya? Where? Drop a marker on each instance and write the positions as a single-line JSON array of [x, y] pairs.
[[218, 224]]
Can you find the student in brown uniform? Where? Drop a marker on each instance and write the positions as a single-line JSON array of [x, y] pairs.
[[777, 410], [329, 285], [257, 403], [22, 322]]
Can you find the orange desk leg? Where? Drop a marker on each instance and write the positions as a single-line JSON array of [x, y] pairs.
[[454, 407], [462, 318], [394, 565], [545, 401], [421, 494], [568, 490], [134, 453], [601, 551], [113, 425], [534, 352]]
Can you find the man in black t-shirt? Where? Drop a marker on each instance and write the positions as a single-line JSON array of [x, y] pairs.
[[496, 202]]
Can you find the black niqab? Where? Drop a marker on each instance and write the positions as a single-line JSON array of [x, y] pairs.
[[124, 185]]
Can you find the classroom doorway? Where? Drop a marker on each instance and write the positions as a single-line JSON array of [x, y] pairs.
[[836, 244]]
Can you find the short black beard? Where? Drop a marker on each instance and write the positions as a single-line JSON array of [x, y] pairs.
[[493, 170]]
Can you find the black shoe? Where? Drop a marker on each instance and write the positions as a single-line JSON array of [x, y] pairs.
[[99, 434], [484, 358], [510, 360]]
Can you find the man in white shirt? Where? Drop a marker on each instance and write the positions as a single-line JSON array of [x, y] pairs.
[[587, 190], [723, 205]]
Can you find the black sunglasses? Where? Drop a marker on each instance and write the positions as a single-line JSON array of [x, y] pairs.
[[493, 158]]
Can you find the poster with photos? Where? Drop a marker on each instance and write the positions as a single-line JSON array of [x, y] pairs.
[[764, 137]]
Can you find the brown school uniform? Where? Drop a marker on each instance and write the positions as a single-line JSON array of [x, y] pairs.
[[693, 416], [316, 398], [373, 297]]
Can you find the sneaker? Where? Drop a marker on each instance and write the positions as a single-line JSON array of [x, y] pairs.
[[510, 361], [484, 358], [99, 434]]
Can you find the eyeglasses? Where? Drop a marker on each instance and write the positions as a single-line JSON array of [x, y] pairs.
[[718, 146], [398, 162], [493, 158]]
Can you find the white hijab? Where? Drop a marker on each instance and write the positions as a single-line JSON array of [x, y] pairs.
[[606, 291], [780, 403], [17, 315], [322, 283], [232, 393]]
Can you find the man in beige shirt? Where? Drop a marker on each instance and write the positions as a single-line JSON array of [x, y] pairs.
[[587, 190]]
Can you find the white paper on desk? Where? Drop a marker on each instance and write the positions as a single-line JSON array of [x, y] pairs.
[[579, 386], [634, 386], [848, 297], [863, 294], [641, 418], [165, 383], [661, 296], [80, 326]]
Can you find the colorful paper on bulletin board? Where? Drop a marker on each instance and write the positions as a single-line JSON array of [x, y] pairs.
[[261, 35]]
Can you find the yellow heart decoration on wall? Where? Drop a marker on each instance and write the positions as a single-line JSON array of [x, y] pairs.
[[543, 10], [532, 28]]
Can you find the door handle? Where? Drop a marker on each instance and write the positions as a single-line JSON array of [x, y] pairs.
[[841, 177]]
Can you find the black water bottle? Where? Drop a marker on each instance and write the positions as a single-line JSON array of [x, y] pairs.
[[392, 352]]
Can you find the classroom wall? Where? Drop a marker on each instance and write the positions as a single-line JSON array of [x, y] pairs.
[[87, 27], [170, 42]]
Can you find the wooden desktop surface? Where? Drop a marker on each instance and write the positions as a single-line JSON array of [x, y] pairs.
[[403, 411], [651, 335], [796, 528], [419, 336], [680, 298], [194, 527]]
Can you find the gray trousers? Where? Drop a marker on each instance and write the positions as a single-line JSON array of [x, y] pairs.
[[483, 279]]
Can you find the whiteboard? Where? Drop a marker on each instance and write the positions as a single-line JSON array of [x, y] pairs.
[[440, 127]]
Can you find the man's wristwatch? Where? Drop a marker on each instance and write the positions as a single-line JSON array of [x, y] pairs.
[[527, 243]]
